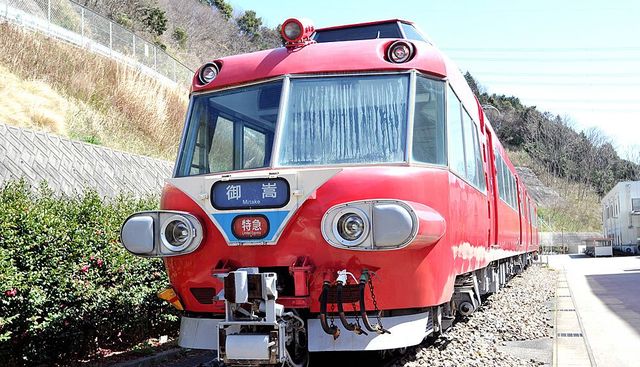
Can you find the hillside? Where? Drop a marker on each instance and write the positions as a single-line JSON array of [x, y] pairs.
[[580, 166], [194, 31], [562, 205], [46, 85]]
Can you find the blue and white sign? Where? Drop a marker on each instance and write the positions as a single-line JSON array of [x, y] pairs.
[[250, 194]]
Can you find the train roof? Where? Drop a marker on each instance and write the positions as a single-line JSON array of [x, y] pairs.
[[322, 58], [353, 25]]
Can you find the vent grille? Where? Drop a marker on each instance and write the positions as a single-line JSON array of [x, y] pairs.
[[204, 295]]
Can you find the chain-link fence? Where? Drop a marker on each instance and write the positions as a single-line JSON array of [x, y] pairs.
[[74, 23]]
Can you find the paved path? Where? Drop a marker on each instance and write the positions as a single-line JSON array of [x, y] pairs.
[[606, 295]]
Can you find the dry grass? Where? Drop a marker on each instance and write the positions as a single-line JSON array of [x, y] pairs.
[[579, 208], [31, 104], [53, 86]]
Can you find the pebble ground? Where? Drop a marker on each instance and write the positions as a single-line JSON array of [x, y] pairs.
[[519, 312]]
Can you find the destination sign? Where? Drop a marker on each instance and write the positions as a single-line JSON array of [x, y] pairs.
[[250, 194]]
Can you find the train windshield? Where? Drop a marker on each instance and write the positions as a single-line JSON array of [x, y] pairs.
[[326, 121], [345, 120], [230, 130]]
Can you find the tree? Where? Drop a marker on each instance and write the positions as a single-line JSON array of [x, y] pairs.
[[181, 36], [155, 20], [249, 23], [225, 9], [473, 84]]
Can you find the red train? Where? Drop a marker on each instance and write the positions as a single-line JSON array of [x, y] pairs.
[[343, 193]]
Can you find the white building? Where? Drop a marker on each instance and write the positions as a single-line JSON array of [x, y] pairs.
[[621, 216]]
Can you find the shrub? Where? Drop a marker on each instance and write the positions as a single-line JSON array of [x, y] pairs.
[[180, 35], [67, 287], [155, 20], [124, 20]]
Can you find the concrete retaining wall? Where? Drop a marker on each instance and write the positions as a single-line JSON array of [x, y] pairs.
[[70, 166]]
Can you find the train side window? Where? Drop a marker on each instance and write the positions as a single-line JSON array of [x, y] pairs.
[[635, 205], [499, 175], [506, 182], [428, 128], [482, 184], [510, 185], [512, 198], [470, 159], [505, 179], [455, 139]]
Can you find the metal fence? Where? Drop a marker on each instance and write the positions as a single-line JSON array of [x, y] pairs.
[[74, 23]]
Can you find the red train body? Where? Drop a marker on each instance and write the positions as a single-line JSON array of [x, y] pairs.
[[440, 231]]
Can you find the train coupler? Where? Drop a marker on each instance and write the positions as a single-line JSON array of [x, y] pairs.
[[256, 330]]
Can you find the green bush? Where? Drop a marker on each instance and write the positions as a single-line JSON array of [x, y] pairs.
[[180, 35], [155, 20], [67, 287]]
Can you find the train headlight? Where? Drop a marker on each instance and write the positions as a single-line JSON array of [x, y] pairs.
[[208, 73], [351, 227], [161, 233], [177, 232], [370, 225], [400, 51]]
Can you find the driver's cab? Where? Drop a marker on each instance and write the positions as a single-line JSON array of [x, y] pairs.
[[396, 28]]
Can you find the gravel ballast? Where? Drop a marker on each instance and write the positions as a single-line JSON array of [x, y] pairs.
[[495, 334]]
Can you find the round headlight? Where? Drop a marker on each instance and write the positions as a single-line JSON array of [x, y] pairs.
[[399, 52], [292, 30], [350, 226], [177, 233], [208, 73]]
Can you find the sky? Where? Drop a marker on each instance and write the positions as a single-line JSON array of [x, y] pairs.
[[578, 59]]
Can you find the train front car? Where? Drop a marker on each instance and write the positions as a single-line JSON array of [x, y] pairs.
[[330, 195]]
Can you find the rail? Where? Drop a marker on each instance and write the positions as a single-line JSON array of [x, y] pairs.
[[74, 23]]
